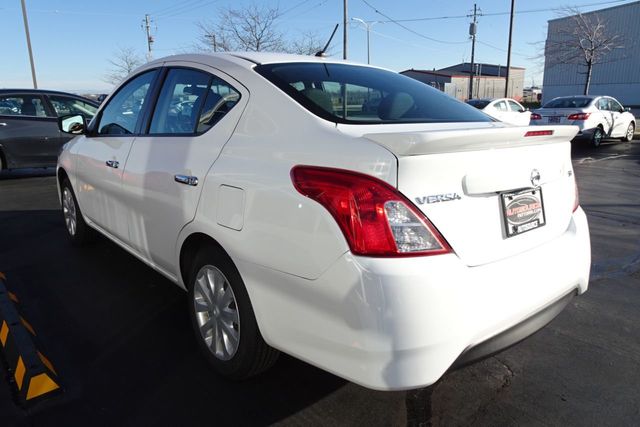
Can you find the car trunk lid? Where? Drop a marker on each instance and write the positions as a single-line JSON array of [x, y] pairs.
[[457, 177]]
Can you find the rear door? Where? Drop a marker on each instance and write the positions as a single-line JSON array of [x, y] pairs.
[[103, 153], [28, 133], [195, 114]]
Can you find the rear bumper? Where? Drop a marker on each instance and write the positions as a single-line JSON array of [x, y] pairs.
[[393, 324]]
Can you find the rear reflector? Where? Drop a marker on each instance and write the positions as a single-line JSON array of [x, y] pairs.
[[539, 133]]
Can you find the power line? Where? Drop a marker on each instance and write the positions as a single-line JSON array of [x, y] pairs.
[[409, 29], [186, 8], [435, 18]]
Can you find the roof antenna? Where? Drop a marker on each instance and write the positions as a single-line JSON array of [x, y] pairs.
[[322, 53]]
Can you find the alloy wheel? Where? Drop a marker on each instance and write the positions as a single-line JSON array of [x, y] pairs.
[[630, 132], [69, 211], [216, 312]]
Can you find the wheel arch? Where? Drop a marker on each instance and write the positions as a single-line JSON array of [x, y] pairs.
[[61, 175], [190, 247]]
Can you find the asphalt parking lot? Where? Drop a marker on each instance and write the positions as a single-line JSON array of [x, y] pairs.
[[119, 336]]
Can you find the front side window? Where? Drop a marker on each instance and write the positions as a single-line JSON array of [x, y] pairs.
[[65, 106], [354, 94], [121, 114], [191, 101], [22, 105], [615, 105]]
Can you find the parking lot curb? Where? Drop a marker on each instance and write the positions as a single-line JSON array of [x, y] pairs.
[[32, 374]]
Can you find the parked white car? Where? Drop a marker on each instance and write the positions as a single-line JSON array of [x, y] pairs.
[[385, 246], [597, 117], [504, 109]]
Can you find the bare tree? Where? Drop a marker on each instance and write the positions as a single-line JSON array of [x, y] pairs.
[[308, 44], [585, 40], [249, 28], [124, 61], [252, 28]]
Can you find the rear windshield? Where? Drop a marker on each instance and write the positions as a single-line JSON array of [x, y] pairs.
[[354, 94], [568, 102], [478, 103]]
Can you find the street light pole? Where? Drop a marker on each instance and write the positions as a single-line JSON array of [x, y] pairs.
[[345, 32], [506, 81], [368, 26], [26, 30]]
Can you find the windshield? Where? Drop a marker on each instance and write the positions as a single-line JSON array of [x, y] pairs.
[[362, 95], [568, 102]]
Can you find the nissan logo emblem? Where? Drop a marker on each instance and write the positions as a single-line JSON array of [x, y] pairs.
[[535, 177]]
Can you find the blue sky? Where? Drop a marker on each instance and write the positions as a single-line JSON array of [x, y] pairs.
[[72, 40]]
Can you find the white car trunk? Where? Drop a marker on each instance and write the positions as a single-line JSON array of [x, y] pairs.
[[457, 178]]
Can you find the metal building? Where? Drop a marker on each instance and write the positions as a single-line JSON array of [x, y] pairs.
[[488, 80], [617, 76]]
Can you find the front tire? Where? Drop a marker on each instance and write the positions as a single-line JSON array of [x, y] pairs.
[[223, 320], [628, 136], [596, 138], [77, 229]]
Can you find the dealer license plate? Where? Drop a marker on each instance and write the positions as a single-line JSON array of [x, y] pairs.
[[522, 211]]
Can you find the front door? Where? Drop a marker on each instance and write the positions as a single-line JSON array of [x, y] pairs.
[[195, 114], [102, 155]]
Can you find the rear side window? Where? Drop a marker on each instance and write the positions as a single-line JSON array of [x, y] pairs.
[[354, 94], [191, 101], [501, 106], [22, 105]]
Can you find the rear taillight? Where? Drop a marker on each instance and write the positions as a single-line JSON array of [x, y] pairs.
[[536, 116], [374, 217], [579, 116]]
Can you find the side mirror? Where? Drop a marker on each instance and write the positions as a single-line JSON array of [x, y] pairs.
[[74, 124], [627, 109]]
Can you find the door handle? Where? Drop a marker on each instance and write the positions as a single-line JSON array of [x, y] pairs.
[[186, 179], [112, 163]]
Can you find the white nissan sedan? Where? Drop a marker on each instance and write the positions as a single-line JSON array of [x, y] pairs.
[[504, 109], [597, 117], [385, 244]]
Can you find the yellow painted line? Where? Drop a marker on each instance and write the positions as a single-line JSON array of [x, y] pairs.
[[39, 385], [2, 276], [13, 297], [19, 374], [4, 333], [47, 363], [27, 326]]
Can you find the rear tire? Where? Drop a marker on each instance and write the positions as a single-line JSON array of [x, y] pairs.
[[628, 136], [597, 136], [77, 229], [222, 318]]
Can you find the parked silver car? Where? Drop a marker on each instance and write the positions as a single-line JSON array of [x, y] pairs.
[[597, 117]]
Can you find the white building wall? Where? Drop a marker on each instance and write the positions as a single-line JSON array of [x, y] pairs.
[[618, 77]]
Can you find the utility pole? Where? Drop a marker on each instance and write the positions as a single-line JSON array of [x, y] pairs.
[[212, 37], [147, 28], [345, 34], [506, 80], [473, 29], [26, 30]]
